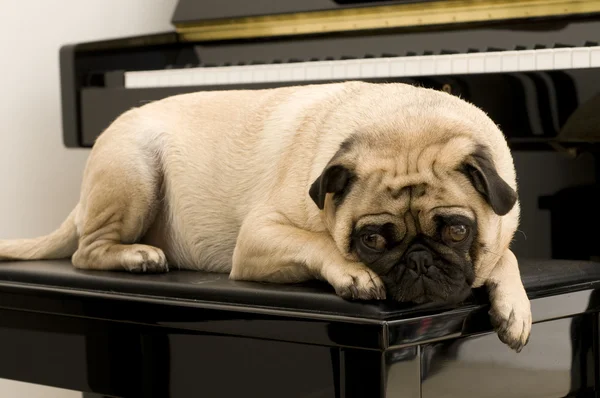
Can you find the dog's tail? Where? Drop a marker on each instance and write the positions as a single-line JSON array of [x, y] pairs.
[[61, 243]]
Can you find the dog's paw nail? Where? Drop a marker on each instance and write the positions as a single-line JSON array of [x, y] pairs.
[[512, 323], [358, 284]]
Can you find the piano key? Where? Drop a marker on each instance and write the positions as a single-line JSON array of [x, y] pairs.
[[476, 62], [325, 70], [312, 71], [460, 64], [397, 66], [299, 72], [221, 75], [412, 66], [544, 59], [594, 56], [272, 74], [285, 73], [427, 65], [510, 61], [246, 75], [580, 58], [456, 63], [368, 68], [443, 64], [562, 58], [338, 71], [382, 69], [352, 69], [493, 62], [234, 74], [526, 60]]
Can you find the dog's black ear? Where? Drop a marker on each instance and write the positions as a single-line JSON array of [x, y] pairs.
[[480, 169], [334, 179]]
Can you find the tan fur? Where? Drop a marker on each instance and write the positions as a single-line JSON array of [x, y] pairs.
[[219, 181]]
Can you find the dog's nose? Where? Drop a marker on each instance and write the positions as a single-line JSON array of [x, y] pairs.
[[419, 260]]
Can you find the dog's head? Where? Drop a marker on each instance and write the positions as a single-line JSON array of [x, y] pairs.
[[426, 197]]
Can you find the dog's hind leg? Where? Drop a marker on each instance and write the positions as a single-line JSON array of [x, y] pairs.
[[119, 201]]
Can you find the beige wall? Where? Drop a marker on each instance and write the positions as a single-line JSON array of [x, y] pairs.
[[39, 178]]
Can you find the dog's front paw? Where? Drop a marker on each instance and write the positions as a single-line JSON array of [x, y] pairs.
[[356, 281], [510, 316]]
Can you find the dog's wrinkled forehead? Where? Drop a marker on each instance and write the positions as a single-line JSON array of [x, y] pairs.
[[412, 179]]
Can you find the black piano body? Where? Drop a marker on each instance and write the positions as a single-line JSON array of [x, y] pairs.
[[533, 66]]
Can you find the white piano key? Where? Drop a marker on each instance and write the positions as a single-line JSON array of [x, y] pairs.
[[397, 66], [460, 64], [352, 69], [299, 72], [594, 56], [580, 58], [526, 60], [234, 74], [272, 73], [259, 74], [413, 66], [562, 58], [163, 81], [285, 73], [510, 61], [544, 59], [312, 71], [246, 75], [338, 70], [427, 65], [325, 72], [134, 80], [493, 62], [174, 79], [221, 75], [382, 68], [443, 65], [367, 68], [476, 62], [198, 77], [210, 76]]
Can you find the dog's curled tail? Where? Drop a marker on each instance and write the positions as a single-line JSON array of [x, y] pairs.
[[61, 243]]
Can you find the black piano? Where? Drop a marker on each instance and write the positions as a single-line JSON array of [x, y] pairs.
[[533, 66]]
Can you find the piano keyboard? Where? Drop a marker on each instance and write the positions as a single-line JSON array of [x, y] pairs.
[[407, 66]]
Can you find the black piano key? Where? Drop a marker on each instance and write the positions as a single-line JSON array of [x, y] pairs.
[[448, 52], [561, 45], [520, 48], [473, 50], [344, 57], [388, 55], [294, 60], [539, 47], [411, 54], [590, 44], [369, 56], [428, 52], [494, 49]]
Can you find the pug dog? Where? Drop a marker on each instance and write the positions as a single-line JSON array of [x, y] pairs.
[[381, 190]]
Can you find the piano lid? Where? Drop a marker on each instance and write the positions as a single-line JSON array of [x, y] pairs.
[[211, 20]]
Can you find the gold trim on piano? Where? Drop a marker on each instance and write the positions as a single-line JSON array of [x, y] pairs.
[[382, 17]]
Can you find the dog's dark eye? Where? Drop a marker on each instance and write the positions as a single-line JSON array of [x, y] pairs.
[[455, 233], [374, 241]]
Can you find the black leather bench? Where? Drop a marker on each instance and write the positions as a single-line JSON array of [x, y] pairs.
[[185, 334]]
